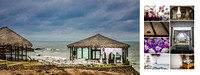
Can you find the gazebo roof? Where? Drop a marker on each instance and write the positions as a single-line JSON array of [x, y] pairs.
[[98, 41], [9, 37]]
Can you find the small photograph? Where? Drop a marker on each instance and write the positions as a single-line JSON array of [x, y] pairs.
[[156, 61], [156, 29], [179, 61], [182, 37], [156, 13], [182, 12], [156, 45]]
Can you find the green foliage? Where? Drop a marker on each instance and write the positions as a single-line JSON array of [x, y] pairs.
[[126, 63], [118, 64], [26, 59], [61, 68], [109, 64], [113, 64]]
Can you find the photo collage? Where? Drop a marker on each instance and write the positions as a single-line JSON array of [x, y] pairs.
[[168, 37]]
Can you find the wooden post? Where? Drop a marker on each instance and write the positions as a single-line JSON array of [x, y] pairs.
[[15, 53], [91, 53], [88, 52], [22, 52], [127, 51], [11, 52], [18, 53], [70, 53], [76, 52], [26, 52], [95, 53], [73, 52], [82, 52]]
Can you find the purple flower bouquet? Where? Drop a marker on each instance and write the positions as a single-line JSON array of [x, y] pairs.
[[156, 45]]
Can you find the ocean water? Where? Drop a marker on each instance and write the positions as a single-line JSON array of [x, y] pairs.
[[59, 49]]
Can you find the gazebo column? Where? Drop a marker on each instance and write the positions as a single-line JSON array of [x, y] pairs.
[[95, 53], [15, 53], [26, 52], [11, 52], [73, 53], [82, 53], [88, 53], [18, 53], [70, 53], [126, 53], [76, 52], [22, 53]]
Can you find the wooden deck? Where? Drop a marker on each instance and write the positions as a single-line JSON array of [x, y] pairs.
[[157, 29]]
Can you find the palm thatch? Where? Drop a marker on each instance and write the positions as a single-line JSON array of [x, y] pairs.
[[99, 41], [9, 37]]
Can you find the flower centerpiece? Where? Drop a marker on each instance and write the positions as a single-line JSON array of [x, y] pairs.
[[156, 45], [151, 13]]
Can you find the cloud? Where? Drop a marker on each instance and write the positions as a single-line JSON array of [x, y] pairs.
[[54, 20]]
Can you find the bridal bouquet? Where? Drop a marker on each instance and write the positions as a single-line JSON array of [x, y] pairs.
[[156, 45]]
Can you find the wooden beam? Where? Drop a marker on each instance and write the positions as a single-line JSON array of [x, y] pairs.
[[153, 28], [165, 27]]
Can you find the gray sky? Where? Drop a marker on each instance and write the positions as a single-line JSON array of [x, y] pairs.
[[71, 20]]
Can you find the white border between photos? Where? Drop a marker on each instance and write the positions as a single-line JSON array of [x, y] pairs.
[[196, 36]]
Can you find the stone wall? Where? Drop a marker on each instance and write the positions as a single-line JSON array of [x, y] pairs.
[[120, 69], [42, 67], [21, 67], [3, 66], [16, 67]]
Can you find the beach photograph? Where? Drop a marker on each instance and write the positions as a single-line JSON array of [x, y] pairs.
[[70, 37]]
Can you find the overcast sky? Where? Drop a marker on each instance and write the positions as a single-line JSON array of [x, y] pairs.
[[71, 20]]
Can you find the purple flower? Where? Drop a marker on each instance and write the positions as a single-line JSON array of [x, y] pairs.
[[150, 43], [158, 49], [166, 44], [155, 44], [145, 41], [159, 41], [146, 49]]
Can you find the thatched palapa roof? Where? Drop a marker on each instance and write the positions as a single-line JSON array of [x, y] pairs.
[[9, 37], [99, 41]]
